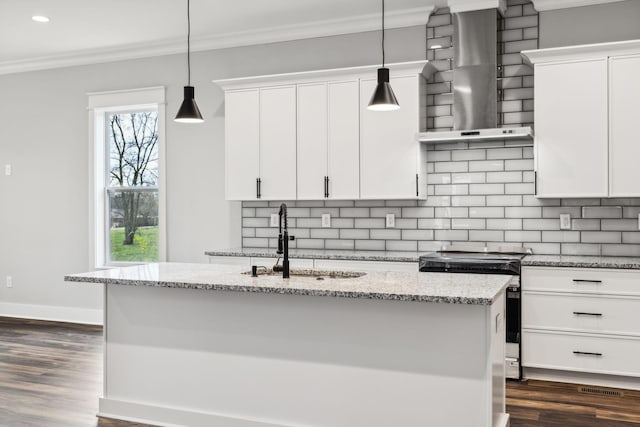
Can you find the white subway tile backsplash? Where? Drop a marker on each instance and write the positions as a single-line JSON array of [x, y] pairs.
[[324, 233], [522, 212], [385, 234], [585, 224], [451, 189], [468, 224], [561, 236], [468, 178], [468, 201], [402, 245], [602, 212], [486, 165], [452, 235], [459, 155], [579, 249], [383, 212], [357, 233], [417, 234], [370, 245], [511, 176], [370, 223], [451, 166], [601, 236], [621, 250], [418, 212], [339, 244], [510, 200], [486, 212], [354, 212], [451, 212], [486, 189], [619, 224], [540, 224], [504, 224], [521, 188], [522, 236], [519, 165], [631, 237], [486, 235], [434, 223], [439, 178]]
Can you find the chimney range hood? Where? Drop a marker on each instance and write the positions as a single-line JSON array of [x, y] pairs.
[[475, 82]]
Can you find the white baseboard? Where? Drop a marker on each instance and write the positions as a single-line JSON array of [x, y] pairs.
[[600, 380], [173, 417], [52, 313]]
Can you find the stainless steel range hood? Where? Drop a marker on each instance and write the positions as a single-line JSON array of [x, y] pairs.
[[475, 84]]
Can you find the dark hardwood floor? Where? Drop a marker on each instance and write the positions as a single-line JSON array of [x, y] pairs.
[[50, 376]]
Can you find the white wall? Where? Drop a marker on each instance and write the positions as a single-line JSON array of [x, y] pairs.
[[43, 135], [603, 23]]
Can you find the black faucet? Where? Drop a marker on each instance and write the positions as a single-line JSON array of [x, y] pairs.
[[283, 241]]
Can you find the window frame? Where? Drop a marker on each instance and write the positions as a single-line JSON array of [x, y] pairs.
[[100, 105]]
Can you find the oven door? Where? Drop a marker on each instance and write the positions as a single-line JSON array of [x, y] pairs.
[[513, 332]]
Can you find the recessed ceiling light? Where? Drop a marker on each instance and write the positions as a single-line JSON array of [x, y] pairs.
[[40, 18]]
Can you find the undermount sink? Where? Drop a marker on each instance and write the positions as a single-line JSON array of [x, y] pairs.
[[304, 272]]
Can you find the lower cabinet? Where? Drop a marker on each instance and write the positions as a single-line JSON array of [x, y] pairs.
[[581, 320]]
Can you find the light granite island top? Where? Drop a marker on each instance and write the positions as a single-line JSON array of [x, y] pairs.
[[400, 286], [204, 345]]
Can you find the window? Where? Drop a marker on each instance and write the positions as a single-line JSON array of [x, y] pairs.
[[127, 177]]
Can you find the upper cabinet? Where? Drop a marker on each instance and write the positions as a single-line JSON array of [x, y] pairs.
[[391, 162], [309, 136], [585, 100]]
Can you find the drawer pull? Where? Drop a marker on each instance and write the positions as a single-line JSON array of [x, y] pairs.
[[582, 313], [597, 282], [587, 353]]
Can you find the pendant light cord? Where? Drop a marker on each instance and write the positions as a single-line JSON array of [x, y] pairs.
[[382, 33], [188, 43]]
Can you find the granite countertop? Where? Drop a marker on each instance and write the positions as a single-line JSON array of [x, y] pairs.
[[579, 261], [472, 289], [322, 254]]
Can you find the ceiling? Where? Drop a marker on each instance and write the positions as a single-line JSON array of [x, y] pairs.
[[89, 31]]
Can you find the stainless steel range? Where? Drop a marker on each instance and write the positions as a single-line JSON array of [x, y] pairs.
[[483, 260]]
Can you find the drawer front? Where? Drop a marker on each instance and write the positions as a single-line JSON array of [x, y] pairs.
[[581, 313], [603, 355], [587, 280], [329, 264]]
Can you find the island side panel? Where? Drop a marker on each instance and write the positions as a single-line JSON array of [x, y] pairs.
[[496, 323], [291, 360]]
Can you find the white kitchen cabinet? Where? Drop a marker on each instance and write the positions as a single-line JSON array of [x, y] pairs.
[[571, 129], [278, 143], [586, 103], [343, 141], [242, 144], [390, 158], [317, 140], [581, 320], [328, 140], [624, 141]]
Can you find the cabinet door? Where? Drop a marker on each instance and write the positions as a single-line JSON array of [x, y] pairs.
[[571, 129], [344, 140], [624, 142], [312, 141], [242, 142], [388, 147], [278, 143]]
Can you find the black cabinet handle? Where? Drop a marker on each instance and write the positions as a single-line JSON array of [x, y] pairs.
[[258, 188], [597, 282], [326, 186], [583, 313], [587, 353], [417, 187], [535, 183]]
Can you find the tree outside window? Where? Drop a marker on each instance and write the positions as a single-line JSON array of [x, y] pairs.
[[132, 186]]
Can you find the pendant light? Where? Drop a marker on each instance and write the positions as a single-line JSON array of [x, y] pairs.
[[383, 98], [189, 111]]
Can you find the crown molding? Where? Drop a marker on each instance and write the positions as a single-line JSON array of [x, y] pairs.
[[543, 5], [456, 6], [363, 23], [581, 52]]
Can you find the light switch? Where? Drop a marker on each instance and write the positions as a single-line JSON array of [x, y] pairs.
[[391, 221], [274, 220], [565, 221], [7, 170], [326, 220]]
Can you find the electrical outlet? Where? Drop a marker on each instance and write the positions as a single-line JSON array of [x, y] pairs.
[[391, 221], [565, 221], [326, 220], [9, 282], [7, 170], [274, 220]]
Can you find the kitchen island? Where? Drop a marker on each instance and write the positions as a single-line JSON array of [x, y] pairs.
[[206, 345]]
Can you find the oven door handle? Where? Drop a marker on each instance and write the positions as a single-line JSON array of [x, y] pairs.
[[584, 313]]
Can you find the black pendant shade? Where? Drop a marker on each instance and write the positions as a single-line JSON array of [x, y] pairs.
[[383, 98], [189, 111]]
